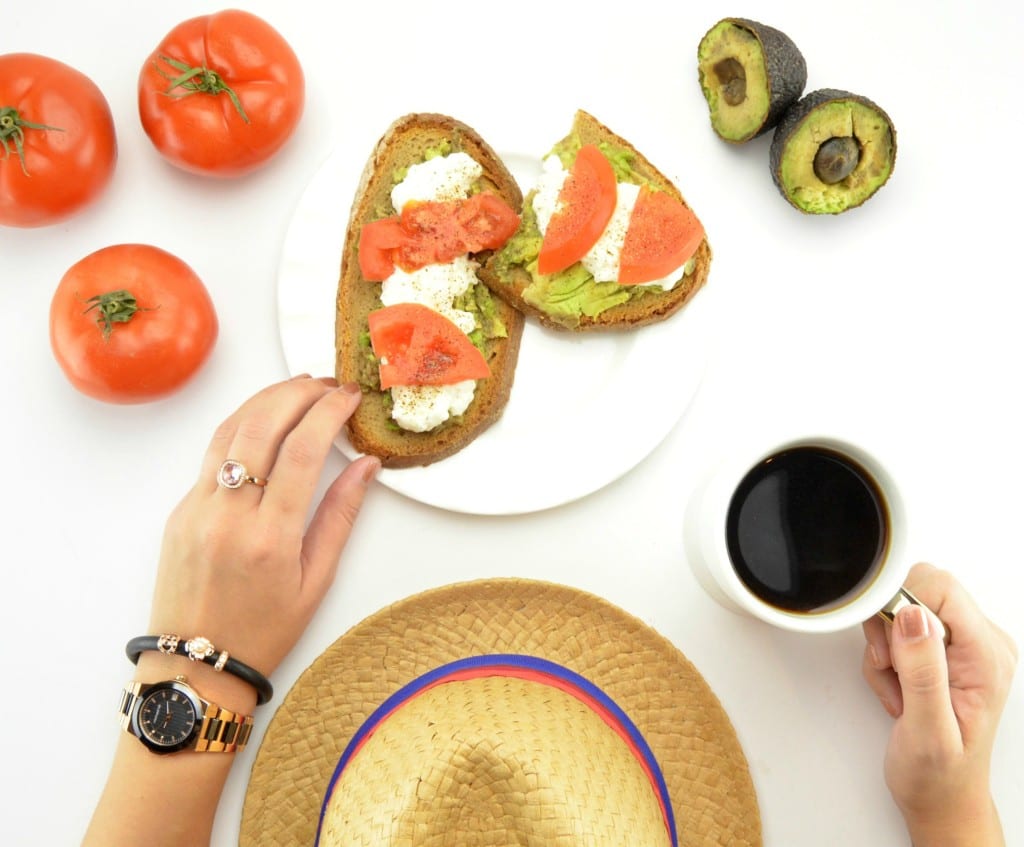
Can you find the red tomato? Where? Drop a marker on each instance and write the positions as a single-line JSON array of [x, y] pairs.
[[131, 323], [221, 94], [418, 346], [57, 138], [429, 233], [587, 200], [662, 235]]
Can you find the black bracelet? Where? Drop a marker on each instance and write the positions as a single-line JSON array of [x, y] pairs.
[[205, 652]]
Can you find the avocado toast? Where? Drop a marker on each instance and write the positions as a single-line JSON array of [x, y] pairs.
[[415, 165], [588, 294]]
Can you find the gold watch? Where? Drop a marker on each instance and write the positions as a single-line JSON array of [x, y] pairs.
[[170, 716]]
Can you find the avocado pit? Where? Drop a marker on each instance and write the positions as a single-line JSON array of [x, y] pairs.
[[836, 159]]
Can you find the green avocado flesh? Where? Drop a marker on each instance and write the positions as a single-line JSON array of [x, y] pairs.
[[832, 151], [750, 74]]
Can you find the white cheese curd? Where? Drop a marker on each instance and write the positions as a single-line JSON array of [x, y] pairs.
[[603, 259], [441, 178], [549, 185], [669, 281], [435, 286], [419, 408]]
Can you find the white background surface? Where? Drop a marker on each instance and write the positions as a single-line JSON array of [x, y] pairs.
[[897, 324]]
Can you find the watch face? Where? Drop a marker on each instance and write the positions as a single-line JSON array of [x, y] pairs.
[[167, 717]]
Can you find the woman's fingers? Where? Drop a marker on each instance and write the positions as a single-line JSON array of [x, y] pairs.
[[876, 633], [919, 657], [877, 666], [253, 434], [303, 451], [332, 523]]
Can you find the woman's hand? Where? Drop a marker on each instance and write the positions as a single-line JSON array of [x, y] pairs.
[[947, 703], [238, 566]]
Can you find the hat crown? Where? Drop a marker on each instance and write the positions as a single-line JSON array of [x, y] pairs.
[[497, 750]]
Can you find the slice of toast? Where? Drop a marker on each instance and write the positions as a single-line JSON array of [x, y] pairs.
[[371, 430], [507, 275]]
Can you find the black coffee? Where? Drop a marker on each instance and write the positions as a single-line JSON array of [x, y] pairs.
[[805, 527]]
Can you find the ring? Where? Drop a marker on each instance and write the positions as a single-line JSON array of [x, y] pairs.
[[232, 474]]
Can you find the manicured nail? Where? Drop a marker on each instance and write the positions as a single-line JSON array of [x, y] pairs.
[[351, 388], [913, 623], [371, 469]]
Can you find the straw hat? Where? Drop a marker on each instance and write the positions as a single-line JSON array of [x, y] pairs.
[[500, 712]]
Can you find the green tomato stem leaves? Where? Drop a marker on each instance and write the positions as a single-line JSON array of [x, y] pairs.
[[12, 131], [197, 80]]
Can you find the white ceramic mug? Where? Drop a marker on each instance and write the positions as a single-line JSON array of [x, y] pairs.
[[880, 591]]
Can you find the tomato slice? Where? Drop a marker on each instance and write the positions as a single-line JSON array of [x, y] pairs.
[[662, 235], [587, 200], [440, 231], [418, 346], [377, 242], [434, 232]]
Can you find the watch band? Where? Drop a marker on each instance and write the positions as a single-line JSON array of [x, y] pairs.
[[221, 730]]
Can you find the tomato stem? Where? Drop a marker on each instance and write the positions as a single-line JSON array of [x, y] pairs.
[[113, 307], [197, 80], [12, 129]]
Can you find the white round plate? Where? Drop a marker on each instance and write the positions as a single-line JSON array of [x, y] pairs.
[[584, 409]]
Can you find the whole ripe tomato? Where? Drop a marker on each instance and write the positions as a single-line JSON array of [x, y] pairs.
[[221, 94], [131, 323], [57, 139]]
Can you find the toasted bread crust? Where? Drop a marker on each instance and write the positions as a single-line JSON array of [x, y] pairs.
[[636, 312], [370, 429]]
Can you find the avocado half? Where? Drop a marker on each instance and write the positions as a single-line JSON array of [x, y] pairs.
[[750, 74], [832, 151]]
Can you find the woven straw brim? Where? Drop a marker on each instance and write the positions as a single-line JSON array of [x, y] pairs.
[[685, 726]]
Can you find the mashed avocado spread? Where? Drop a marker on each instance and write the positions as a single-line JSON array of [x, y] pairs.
[[572, 293]]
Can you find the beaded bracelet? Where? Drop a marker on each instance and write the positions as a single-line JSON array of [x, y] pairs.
[[199, 649]]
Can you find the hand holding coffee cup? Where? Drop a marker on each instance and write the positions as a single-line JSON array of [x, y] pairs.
[[808, 535]]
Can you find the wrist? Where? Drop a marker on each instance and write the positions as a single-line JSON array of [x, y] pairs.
[[972, 823]]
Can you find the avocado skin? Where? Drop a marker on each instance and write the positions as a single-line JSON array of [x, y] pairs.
[[803, 110], [786, 69]]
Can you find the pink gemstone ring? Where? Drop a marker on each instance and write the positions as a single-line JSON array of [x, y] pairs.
[[233, 474]]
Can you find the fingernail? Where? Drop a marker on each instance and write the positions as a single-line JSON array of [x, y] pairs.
[[890, 708], [299, 376], [876, 660], [913, 623], [371, 469], [351, 388]]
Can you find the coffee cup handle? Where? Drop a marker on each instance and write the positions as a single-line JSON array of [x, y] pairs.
[[905, 598]]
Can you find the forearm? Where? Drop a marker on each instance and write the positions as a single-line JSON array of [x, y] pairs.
[[143, 802], [171, 799]]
